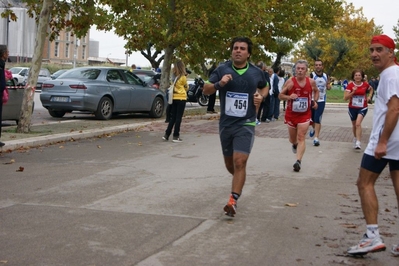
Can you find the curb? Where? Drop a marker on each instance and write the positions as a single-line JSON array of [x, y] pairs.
[[61, 137]]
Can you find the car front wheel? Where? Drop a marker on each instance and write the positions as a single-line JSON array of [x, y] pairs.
[[104, 109], [57, 114], [157, 108]]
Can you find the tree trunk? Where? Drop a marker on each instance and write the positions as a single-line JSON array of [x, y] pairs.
[[166, 67], [29, 92]]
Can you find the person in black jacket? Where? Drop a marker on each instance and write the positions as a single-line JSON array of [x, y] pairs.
[[264, 106], [3, 59], [212, 97]]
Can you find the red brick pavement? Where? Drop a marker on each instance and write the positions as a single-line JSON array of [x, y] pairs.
[[276, 129]]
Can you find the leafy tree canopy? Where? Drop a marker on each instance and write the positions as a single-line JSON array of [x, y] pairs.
[[343, 47]]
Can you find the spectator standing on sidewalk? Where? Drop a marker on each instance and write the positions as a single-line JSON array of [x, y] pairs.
[[212, 98], [356, 92], [3, 59], [383, 146], [242, 87], [297, 91], [287, 77], [323, 85], [179, 102], [274, 109], [264, 106]]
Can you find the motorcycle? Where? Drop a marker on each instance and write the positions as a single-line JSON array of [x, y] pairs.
[[194, 93]]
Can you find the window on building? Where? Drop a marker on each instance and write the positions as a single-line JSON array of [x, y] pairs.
[[83, 51], [67, 50], [56, 49]]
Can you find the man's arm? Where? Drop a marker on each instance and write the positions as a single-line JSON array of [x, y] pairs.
[[328, 84], [315, 93], [260, 95], [284, 91], [391, 121], [209, 89], [370, 93]]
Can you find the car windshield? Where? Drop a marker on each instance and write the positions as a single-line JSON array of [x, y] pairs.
[[15, 70], [42, 73], [144, 77], [82, 74]]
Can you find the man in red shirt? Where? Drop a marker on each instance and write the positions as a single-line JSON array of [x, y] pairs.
[[297, 91]]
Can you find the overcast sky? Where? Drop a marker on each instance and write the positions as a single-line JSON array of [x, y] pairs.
[[384, 12]]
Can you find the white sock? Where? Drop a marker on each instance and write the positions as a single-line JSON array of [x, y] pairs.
[[372, 230]]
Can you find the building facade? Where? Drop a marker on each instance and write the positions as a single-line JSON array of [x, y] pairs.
[[20, 38]]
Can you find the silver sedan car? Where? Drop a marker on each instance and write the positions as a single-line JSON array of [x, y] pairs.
[[104, 91]]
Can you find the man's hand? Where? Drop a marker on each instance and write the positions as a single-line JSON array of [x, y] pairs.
[[380, 151], [314, 105], [258, 98]]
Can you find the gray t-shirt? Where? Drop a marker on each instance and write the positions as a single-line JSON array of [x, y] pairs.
[[237, 96]]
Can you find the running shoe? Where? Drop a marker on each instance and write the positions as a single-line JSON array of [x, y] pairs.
[[367, 245], [357, 145], [177, 139], [354, 142], [267, 120], [297, 166], [231, 207], [395, 250], [165, 137], [316, 142], [257, 122], [311, 133], [294, 146]]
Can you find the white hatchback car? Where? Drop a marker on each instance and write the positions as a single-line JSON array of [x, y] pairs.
[[19, 74]]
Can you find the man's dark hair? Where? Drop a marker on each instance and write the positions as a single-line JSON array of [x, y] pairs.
[[242, 39], [276, 69], [3, 49]]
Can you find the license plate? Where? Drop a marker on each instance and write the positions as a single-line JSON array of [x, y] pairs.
[[59, 99]]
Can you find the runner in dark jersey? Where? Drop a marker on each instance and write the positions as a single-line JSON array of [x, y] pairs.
[[242, 87], [297, 91]]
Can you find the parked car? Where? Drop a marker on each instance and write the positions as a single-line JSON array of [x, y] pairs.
[[148, 76], [12, 109], [44, 74], [58, 73], [104, 91], [19, 74]]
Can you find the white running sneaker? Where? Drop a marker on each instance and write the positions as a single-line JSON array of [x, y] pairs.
[[395, 250], [354, 142], [357, 145], [177, 139], [367, 245]]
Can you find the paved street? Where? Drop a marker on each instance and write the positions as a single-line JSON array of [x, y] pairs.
[[132, 199]]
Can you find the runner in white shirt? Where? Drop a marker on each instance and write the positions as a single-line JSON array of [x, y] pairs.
[[383, 146]]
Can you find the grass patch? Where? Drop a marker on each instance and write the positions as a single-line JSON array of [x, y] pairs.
[[335, 96], [33, 132]]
